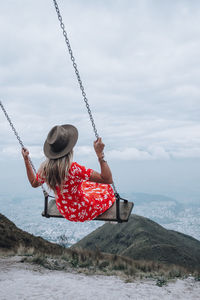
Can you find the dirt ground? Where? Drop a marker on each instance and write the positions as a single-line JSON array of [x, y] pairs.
[[26, 281]]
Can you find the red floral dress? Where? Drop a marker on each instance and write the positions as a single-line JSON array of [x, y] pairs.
[[82, 200]]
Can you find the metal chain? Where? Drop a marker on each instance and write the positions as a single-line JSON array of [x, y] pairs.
[[11, 124], [75, 68], [19, 139], [77, 74]]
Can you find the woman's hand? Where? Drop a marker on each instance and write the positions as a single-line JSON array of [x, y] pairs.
[[99, 147], [29, 170], [105, 176], [25, 153]]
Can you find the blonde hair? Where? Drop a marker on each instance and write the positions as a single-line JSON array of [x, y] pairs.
[[56, 170]]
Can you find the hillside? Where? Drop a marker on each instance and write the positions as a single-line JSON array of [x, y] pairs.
[[137, 239], [143, 239], [12, 239]]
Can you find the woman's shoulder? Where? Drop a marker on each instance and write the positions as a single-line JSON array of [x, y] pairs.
[[74, 169], [75, 166], [80, 171], [77, 169]]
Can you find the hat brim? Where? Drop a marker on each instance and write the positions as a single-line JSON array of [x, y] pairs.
[[73, 137]]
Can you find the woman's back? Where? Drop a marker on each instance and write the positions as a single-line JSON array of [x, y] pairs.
[[80, 199]]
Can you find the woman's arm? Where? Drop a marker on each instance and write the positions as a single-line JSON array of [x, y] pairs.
[[30, 174], [105, 176]]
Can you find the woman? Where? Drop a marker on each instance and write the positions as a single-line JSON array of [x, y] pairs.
[[81, 194]]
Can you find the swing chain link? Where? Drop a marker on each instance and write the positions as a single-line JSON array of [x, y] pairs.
[[76, 69], [62, 25], [12, 126], [19, 139]]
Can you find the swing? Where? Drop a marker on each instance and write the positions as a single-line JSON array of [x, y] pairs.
[[121, 209], [118, 212]]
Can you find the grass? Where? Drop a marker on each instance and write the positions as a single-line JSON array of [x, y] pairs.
[[95, 262]]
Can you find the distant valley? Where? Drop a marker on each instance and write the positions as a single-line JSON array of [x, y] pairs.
[[25, 212]]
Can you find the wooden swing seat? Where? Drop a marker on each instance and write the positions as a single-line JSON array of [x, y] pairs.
[[118, 212]]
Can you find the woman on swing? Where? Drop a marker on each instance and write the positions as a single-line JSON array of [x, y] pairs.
[[81, 194]]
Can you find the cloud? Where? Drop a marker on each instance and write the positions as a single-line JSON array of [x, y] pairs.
[[15, 152], [152, 153], [86, 153], [129, 154], [139, 64]]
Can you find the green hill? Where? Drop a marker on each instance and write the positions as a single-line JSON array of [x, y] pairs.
[[143, 239]]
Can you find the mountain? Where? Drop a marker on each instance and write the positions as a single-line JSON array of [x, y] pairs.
[[143, 239], [12, 239]]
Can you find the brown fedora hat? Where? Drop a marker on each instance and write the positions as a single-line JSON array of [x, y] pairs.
[[60, 141]]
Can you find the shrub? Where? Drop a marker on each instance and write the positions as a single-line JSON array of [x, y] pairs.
[[103, 264], [131, 271], [161, 281], [85, 264], [119, 267], [175, 272], [75, 259], [197, 276]]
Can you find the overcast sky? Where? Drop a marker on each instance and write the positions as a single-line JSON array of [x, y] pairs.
[[139, 62]]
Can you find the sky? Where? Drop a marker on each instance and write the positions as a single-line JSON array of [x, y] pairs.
[[139, 63]]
